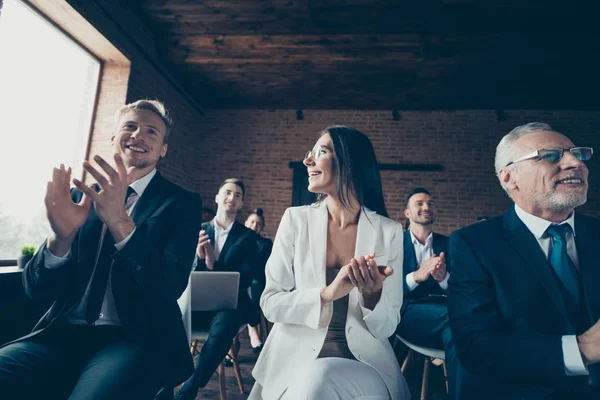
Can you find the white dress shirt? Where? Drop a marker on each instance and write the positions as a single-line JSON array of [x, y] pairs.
[[220, 236], [423, 252], [573, 360], [108, 312]]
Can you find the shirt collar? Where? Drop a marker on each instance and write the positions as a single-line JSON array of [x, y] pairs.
[[141, 184], [218, 227], [537, 225], [416, 241]]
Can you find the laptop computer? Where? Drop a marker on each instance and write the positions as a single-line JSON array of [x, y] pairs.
[[214, 290]]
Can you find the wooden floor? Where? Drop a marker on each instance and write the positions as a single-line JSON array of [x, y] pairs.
[[413, 376]]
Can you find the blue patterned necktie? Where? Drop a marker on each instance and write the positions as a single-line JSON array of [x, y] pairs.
[[561, 262]]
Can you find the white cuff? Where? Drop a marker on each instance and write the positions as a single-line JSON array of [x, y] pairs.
[[444, 283], [51, 261], [410, 282], [123, 242], [573, 361]]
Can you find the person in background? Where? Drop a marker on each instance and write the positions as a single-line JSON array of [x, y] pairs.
[[426, 269], [256, 222], [223, 245], [111, 271], [334, 284]]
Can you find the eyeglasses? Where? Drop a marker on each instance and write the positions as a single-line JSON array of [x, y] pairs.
[[552, 156], [316, 154]]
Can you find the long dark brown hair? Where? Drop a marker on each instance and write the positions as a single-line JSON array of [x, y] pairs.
[[357, 169]]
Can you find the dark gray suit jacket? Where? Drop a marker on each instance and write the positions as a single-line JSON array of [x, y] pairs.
[[148, 274]]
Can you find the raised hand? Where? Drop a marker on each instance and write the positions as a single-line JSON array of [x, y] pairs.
[[367, 276], [439, 272], [426, 268], [205, 251], [109, 203], [340, 286], [589, 344], [65, 216]]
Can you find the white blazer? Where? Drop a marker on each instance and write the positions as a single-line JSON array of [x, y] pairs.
[[295, 275]]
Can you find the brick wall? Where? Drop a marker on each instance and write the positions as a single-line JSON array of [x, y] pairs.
[[256, 146]]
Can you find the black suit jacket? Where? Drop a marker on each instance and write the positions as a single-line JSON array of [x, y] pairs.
[[265, 246], [430, 286], [239, 253], [148, 274], [507, 312]]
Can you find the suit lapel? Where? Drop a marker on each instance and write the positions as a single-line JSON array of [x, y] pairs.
[[527, 246], [367, 236], [232, 237], [586, 241], [150, 200], [317, 237], [410, 257]]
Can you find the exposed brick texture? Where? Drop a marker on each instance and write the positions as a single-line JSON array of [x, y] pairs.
[[256, 146]]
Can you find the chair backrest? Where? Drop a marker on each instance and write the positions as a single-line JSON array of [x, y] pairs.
[[214, 290]]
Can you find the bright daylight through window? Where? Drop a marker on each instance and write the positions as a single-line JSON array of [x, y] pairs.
[[48, 87]]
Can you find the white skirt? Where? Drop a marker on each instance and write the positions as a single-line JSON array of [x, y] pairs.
[[334, 378]]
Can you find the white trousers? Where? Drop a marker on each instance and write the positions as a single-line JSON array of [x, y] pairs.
[[334, 378]]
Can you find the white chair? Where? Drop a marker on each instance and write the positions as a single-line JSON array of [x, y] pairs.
[[211, 291], [429, 354]]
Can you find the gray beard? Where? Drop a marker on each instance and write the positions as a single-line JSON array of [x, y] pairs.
[[561, 202]]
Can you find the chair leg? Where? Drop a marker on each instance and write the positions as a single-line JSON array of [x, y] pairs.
[[222, 388], [236, 366], [409, 355], [425, 383], [445, 376]]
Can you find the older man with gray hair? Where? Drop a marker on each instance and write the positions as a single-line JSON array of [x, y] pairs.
[[523, 301]]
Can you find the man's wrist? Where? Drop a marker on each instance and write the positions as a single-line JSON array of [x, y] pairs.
[[121, 228], [59, 246]]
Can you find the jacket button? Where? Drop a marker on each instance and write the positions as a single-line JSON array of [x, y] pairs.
[[138, 268]]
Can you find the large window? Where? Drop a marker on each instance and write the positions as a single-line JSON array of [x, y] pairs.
[[48, 88]]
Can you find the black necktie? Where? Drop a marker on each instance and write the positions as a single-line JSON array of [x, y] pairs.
[[561, 262], [102, 271]]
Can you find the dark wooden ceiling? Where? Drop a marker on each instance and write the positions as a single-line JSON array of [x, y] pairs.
[[375, 54]]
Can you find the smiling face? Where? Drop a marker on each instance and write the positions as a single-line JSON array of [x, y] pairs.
[[254, 222], [320, 165], [546, 189], [139, 139], [421, 209], [229, 198]]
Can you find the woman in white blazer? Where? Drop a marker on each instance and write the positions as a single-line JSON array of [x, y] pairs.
[[334, 284]]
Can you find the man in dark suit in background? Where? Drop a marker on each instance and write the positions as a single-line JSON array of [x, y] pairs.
[[424, 318], [524, 298], [112, 269], [224, 245]]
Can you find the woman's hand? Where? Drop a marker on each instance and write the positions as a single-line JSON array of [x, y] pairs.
[[368, 277], [340, 286]]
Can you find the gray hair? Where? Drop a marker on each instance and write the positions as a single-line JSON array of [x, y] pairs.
[[155, 106], [506, 152]]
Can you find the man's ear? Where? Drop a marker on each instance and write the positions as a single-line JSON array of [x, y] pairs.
[[163, 150], [217, 198], [406, 213], [507, 179]]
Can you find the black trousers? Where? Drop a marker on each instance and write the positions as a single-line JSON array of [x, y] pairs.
[[223, 326], [426, 324], [78, 362]]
